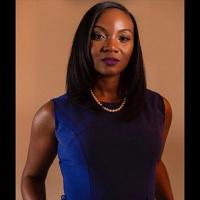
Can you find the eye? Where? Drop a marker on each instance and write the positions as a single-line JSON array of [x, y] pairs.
[[124, 38], [98, 36]]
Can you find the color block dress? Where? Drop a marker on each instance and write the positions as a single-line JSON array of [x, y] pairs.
[[104, 158]]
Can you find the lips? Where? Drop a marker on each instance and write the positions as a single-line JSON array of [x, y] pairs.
[[110, 61]]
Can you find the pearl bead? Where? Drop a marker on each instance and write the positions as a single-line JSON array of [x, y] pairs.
[[108, 109]]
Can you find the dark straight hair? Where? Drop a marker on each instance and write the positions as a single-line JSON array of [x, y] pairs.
[[81, 74]]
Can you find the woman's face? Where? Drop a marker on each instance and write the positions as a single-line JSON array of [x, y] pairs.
[[112, 42]]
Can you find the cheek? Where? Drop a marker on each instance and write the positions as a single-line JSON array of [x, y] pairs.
[[128, 52], [94, 50]]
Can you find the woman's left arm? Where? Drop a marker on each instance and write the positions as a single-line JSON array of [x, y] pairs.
[[163, 187]]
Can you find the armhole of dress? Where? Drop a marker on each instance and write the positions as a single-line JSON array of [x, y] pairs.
[[54, 116], [162, 109]]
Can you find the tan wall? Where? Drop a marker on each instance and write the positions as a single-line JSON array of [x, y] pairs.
[[44, 33]]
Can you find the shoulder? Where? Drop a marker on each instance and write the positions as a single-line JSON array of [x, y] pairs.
[[44, 117], [168, 109], [43, 121], [152, 94], [60, 101], [155, 100], [45, 111], [161, 101], [168, 114], [61, 98]]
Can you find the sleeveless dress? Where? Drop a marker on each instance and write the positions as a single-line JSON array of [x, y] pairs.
[[104, 158]]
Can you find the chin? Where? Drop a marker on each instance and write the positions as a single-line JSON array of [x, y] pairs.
[[110, 72]]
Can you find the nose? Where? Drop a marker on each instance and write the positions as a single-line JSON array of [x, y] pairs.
[[110, 45]]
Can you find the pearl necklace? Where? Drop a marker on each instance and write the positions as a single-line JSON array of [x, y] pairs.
[[108, 109]]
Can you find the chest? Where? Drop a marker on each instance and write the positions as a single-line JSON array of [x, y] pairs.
[[105, 139]]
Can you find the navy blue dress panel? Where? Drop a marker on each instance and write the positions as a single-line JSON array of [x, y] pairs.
[[102, 157]]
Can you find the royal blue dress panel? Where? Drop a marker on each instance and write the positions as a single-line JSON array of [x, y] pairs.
[[102, 157]]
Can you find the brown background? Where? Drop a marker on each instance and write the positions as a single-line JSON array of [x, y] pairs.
[[44, 33]]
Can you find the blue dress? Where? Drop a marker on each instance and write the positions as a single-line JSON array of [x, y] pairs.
[[104, 158]]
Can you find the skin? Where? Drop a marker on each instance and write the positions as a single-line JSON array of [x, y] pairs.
[[43, 143], [42, 151]]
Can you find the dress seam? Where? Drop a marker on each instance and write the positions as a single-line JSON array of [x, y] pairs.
[[83, 152]]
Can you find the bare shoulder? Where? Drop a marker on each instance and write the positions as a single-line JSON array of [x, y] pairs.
[[43, 121], [168, 109], [43, 143]]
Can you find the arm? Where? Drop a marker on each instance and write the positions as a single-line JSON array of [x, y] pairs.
[[163, 187], [41, 153]]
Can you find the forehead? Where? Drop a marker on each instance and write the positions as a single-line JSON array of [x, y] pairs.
[[115, 17]]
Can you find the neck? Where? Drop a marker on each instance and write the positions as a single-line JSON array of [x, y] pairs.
[[106, 89]]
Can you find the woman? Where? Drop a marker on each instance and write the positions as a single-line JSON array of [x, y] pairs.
[[108, 129]]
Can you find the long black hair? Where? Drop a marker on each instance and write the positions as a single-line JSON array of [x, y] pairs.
[[81, 74]]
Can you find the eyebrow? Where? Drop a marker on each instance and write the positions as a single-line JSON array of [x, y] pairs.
[[121, 30]]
